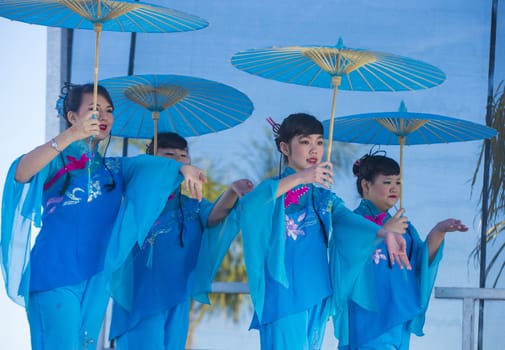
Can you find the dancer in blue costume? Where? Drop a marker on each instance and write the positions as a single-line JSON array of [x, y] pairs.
[[157, 316], [78, 199], [303, 248], [400, 297]]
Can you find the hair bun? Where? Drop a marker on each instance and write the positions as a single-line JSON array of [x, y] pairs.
[[356, 167], [60, 102]]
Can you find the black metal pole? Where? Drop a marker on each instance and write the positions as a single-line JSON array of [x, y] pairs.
[[485, 182], [67, 42], [131, 66]]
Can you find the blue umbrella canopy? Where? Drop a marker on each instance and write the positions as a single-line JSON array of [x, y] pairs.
[[339, 67], [405, 128], [147, 104], [99, 15], [108, 15]]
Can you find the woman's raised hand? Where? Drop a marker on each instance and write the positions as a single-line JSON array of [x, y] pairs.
[[397, 249], [193, 180], [242, 186], [450, 225], [321, 173], [85, 127], [397, 223]]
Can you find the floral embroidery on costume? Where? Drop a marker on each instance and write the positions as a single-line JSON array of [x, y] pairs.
[[73, 196], [293, 196], [159, 227], [95, 190], [292, 227], [377, 256], [114, 164], [151, 239]]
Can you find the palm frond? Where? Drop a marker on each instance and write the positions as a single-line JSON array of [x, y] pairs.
[[496, 189]]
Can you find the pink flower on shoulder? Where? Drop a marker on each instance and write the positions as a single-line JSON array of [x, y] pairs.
[[377, 219], [293, 196]]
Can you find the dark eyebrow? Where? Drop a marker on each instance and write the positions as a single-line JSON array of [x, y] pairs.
[[98, 105]]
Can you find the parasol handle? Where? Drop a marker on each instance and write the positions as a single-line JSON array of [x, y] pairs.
[[401, 141], [336, 83], [156, 116], [98, 30], [97, 27]]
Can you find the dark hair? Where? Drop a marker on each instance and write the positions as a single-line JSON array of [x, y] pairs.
[[168, 140], [176, 141], [70, 100], [370, 166], [297, 124], [71, 96]]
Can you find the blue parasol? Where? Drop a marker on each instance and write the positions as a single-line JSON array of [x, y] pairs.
[[147, 104], [98, 15], [339, 67], [405, 128]]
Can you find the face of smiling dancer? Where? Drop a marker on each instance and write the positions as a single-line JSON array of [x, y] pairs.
[[303, 151], [180, 155], [105, 118], [383, 192]]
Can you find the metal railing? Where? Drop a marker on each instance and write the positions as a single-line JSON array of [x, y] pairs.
[[469, 296], [217, 287]]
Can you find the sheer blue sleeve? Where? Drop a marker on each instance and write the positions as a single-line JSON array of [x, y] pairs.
[[426, 274], [351, 244], [148, 181], [215, 243], [21, 217], [262, 224]]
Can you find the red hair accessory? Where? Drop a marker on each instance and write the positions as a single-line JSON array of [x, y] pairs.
[[275, 126]]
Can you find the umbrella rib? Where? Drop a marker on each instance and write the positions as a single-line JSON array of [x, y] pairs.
[[204, 108], [271, 67], [457, 131], [418, 69], [124, 124], [83, 14], [183, 117], [170, 18], [393, 74], [219, 106]]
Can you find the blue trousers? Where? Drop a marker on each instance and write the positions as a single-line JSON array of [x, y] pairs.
[[164, 331], [69, 317], [300, 331], [397, 338]]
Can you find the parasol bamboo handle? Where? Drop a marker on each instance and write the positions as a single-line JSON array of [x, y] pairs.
[[98, 29], [336, 83], [401, 141], [156, 116]]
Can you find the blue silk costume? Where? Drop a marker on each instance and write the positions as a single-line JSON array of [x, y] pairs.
[[76, 226], [400, 297], [160, 277], [303, 253]]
